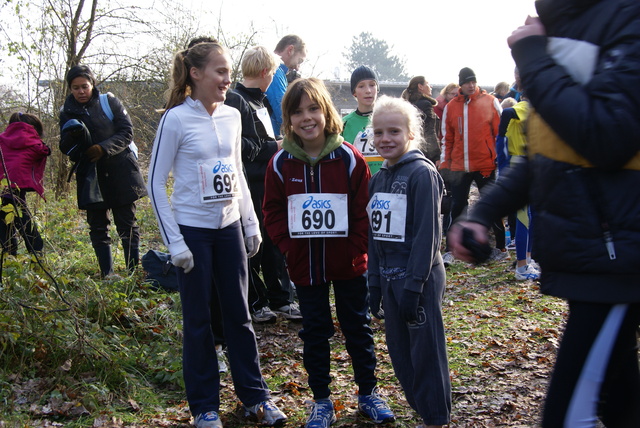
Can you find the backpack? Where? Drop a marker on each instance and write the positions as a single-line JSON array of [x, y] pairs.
[[106, 108], [160, 272]]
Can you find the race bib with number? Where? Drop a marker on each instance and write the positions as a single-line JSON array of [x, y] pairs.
[[318, 215], [364, 143], [218, 180], [388, 216]]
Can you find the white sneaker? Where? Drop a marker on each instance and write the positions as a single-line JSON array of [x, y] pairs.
[[263, 316], [497, 255], [448, 259], [527, 273], [208, 420], [290, 311], [265, 414]]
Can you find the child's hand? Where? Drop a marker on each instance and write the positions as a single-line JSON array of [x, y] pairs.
[[375, 302], [408, 306]]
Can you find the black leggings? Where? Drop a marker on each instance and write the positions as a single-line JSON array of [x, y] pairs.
[[596, 373]]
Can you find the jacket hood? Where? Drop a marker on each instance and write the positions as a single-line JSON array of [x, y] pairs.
[[411, 156], [19, 135], [332, 142], [554, 12]]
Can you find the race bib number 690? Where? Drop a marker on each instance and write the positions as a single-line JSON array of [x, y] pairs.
[[318, 215]]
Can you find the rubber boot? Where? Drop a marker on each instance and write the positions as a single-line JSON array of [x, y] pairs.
[[131, 255], [105, 260]]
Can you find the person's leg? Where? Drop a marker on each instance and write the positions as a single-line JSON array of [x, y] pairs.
[[126, 224], [460, 183], [257, 287], [199, 364], [498, 226], [231, 282], [317, 328], [98, 221], [8, 231], [352, 309], [592, 346], [620, 393], [27, 226]]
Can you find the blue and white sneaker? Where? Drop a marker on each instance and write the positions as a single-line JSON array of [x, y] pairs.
[[322, 414], [375, 408], [208, 420], [527, 273], [266, 414]]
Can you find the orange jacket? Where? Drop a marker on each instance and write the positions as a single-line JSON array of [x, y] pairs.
[[470, 127]]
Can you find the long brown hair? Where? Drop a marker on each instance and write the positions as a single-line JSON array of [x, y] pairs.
[[318, 93], [411, 93], [181, 85]]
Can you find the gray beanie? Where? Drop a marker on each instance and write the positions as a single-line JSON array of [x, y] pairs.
[[466, 75], [362, 73]]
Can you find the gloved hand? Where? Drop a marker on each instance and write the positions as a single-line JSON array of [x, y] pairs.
[[94, 153], [408, 306], [183, 260], [253, 244], [375, 302]]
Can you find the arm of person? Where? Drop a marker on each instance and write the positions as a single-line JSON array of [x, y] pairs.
[[247, 213], [359, 224], [123, 134], [274, 209], [165, 148], [447, 141], [425, 191], [600, 118]]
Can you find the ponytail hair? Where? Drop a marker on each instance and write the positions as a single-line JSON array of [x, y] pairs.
[[196, 56], [411, 93], [29, 119]]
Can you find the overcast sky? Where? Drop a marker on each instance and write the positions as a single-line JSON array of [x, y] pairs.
[[437, 37]]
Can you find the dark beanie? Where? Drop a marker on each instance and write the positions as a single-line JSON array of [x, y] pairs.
[[466, 75], [362, 73], [81, 71]]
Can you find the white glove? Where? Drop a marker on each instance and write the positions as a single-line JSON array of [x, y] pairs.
[[253, 244], [183, 260]]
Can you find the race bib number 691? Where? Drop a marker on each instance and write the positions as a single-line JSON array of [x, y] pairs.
[[387, 216]]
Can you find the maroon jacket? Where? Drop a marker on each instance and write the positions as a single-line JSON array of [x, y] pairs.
[[25, 156], [319, 260]]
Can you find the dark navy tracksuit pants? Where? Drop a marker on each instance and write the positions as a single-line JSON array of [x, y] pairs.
[[220, 266]]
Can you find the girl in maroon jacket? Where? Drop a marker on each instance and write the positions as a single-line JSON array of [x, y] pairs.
[[24, 157], [316, 192]]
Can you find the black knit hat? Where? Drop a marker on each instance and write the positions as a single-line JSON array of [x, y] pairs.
[[362, 73], [81, 71], [466, 75]]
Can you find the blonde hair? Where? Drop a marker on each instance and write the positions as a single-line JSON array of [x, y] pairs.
[[448, 88], [257, 59], [317, 92], [502, 87], [508, 102], [196, 56], [387, 104]]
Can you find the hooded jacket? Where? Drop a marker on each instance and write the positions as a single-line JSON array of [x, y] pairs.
[[470, 127], [118, 176], [416, 177], [583, 162], [426, 106], [340, 168], [25, 156]]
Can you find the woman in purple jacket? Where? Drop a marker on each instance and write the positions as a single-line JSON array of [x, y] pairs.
[[24, 156]]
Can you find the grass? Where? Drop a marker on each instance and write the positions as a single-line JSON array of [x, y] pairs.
[[78, 351]]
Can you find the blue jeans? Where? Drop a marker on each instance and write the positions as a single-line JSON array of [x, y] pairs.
[[220, 267], [352, 309]]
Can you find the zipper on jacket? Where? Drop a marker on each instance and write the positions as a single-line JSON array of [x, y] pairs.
[[312, 174], [608, 241]]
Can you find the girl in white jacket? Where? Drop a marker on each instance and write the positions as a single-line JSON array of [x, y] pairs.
[[202, 225]]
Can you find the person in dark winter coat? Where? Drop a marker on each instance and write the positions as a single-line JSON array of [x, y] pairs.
[[108, 176], [418, 93], [24, 155], [579, 66]]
